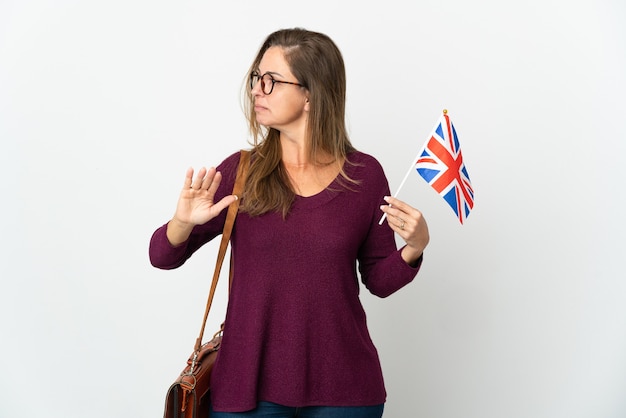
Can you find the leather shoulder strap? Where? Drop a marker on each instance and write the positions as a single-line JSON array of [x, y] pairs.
[[240, 180]]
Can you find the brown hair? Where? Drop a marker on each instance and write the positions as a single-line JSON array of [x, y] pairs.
[[317, 64]]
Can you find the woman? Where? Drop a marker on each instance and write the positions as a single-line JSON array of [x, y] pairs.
[[296, 341]]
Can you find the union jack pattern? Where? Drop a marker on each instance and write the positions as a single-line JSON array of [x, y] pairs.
[[441, 164]]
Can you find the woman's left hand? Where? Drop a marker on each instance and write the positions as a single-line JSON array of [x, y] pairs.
[[410, 224]]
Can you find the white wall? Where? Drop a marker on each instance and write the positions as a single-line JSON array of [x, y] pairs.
[[519, 313]]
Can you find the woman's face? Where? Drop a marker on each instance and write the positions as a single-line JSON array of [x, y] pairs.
[[286, 107]]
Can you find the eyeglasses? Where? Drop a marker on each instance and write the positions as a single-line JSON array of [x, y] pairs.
[[267, 82]]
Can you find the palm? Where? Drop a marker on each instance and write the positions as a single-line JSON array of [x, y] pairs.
[[196, 204]]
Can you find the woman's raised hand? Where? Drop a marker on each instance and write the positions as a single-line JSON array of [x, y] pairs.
[[196, 204]]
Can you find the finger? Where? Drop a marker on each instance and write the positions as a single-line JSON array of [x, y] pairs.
[[188, 177], [397, 203], [405, 210], [208, 178], [396, 219], [216, 179], [224, 202], [394, 214], [197, 182]]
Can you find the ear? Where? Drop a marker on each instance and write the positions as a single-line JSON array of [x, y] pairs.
[[306, 104]]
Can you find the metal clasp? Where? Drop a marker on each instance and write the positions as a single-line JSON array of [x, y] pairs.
[[193, 363]]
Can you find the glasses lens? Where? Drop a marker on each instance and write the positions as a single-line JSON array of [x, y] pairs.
[[254, 78], [267, 83]]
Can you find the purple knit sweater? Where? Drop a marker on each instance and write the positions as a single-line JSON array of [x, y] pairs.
[[295, 330]]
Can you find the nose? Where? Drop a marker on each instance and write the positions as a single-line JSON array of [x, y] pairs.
[[256, 88]]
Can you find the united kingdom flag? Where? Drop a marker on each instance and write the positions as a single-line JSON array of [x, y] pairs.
[[441, 164]]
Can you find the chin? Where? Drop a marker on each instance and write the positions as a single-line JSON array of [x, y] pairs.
[[264, 123]]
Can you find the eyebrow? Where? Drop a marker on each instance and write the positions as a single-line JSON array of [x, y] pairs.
[[272, 73]]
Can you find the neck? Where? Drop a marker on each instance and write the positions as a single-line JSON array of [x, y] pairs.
[[295, 155], [294, 151]]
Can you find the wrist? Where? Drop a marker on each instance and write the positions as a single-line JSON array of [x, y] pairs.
[[411, 255], [178, 232], [177, 223]]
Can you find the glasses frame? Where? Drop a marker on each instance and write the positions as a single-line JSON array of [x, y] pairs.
[[272, 80]]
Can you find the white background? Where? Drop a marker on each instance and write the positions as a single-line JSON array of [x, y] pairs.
[[519, 313]]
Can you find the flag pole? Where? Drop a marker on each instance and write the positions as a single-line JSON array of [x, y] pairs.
[[406, 176]]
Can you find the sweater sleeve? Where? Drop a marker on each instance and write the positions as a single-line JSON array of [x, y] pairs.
[[382, 269], [164, 255]]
